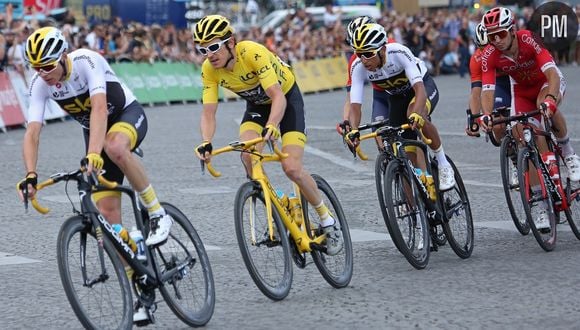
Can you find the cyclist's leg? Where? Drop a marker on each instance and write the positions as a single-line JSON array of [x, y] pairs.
[[253, 122], [502, 99], [292, 128], [124, 135], [380, 111]]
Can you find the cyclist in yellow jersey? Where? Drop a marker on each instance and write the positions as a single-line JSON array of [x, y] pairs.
[[274, 105]]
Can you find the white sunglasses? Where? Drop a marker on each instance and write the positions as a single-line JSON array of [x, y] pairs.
[[213, 48]]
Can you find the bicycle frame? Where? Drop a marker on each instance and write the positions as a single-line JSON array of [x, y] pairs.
[[298, 232], [394, 147], [147, 273], [548, 185]]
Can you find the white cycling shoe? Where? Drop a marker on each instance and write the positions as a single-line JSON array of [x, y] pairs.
[[573, 165], [446, 177], [160, 227]]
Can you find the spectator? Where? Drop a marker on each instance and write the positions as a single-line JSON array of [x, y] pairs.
[[96, 38], [330, 18], [252, 12], [450, 62]]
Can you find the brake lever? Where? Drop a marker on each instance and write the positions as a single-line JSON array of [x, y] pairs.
[[25, 195], [270, 144], [202, 164]]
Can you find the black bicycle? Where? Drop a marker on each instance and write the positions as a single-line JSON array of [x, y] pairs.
[[90, 254], [412, 204], [508, 158]]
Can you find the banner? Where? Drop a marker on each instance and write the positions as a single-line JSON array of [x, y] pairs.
[[43, 6], [10, 110]]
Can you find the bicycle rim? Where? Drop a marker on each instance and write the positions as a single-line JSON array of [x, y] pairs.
[[545, 238], [458, 220], [190, 293], [268, 260], [407, 219], [511, 189], [105, 303], [336, 269]]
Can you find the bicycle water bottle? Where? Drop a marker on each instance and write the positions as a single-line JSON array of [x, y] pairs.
[[124, 234], [295, 209], [421, 175], [431, 187], [283, 198], [550, 160], [137, 236]]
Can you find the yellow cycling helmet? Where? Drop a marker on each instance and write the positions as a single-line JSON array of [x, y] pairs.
[[211, 27], [367, 37], [45, 46]]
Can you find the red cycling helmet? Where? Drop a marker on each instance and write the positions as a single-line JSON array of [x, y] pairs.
[[498, 18]]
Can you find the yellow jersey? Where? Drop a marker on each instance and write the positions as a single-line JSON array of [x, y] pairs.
[[256, 69]]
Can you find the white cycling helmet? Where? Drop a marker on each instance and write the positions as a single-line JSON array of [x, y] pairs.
[[368, 37], [480, 38], [354, 24], [45, 46], [498, 18]]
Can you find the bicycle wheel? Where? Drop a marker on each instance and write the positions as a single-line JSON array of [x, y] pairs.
[[336, 269], [268, 260], [190, 293], [534, 205], [458, 220], [102, 300], [380, 167], [508, 164], [407, 220], [572, 192]]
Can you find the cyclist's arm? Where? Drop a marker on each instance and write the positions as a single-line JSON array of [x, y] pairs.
[[30, 145], [346, 107], [415, 76], [419, 106], [488, 76], [98, 124], [553, 78], [475, 95], [278, 108], [208, 121], [358, 75]]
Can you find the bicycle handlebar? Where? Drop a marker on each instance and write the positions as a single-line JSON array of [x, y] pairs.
[[383, 127], [245, 146], [74, 175]]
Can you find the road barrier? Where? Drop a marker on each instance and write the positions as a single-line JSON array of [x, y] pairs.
[[165, 83]]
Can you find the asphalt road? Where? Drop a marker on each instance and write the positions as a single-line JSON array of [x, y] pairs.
[[509, 281]]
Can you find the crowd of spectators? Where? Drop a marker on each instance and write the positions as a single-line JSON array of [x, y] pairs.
[[442, 38]]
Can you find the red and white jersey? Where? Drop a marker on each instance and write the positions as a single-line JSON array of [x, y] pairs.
[[527, 69]]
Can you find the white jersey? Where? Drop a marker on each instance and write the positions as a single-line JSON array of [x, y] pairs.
[[90, 74], [401, 71]]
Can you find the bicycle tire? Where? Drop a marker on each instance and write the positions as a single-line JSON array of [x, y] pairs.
[[380, 168], [547, 241], [458, 229], [336, 269], [511, 191], [404, 235], [273, 286], [75, 236], [190, 293], [573, 211]]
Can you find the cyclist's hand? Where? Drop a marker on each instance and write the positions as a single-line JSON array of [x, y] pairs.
[[469, 132], [549, 106], [203, 151], [485, 122], [271, 132], [343, 127], [416, 120], [352, 139], [27, 186], [93, 162]]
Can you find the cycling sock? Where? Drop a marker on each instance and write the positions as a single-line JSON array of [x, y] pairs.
[[150, 201], [440, 156], [325, 218], [566, 146]]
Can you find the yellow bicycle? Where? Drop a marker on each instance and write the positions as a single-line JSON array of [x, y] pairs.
[[272, 230]]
